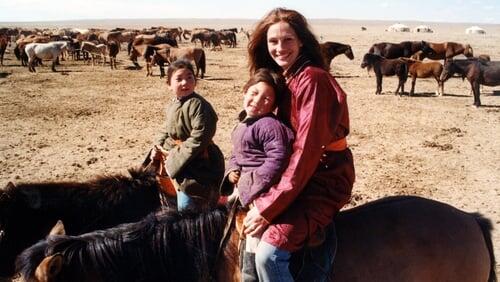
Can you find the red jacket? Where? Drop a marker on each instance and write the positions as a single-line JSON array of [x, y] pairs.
[[318, 114]]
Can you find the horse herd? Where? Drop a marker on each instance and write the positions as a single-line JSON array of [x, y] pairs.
[[156, 42], [401, 59]]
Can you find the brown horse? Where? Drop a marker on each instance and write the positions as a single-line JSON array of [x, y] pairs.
[[330, 50], [196, 55], [396, 50], [419, 69], [393, 239], [4, 42], [386, 67], [113, 50], [157, 55], [477, 72], [447, 50]]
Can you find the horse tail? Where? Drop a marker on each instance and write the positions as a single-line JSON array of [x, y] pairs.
[[17, 52], [405, 71], [203, 63], [486, 227]]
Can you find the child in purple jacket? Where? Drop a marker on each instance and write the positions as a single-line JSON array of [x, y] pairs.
[[262, 145]]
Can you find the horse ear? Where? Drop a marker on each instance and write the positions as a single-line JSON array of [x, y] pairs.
[[9, 186], [49, 268], [58, 229]]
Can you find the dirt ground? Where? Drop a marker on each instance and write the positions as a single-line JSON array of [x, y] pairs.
[[83, 121]]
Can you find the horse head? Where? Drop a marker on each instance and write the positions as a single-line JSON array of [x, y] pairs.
[[427, 49], [468, 51], [369, 60], [449, 69], [348, 52]]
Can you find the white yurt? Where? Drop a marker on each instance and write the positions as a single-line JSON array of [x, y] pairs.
[[475, 30], [398, 28], [422, 28]]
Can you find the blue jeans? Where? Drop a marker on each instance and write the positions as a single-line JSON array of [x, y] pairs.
[[184, 201], [272, 263]]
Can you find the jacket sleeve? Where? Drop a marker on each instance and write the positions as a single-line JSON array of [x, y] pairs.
[[226, 187], [203, 122], [315, 99], [276, 144]]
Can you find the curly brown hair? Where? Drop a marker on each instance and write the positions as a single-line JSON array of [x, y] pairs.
[[258, 55]]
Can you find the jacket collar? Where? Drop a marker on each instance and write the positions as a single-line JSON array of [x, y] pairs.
[[299, 64]]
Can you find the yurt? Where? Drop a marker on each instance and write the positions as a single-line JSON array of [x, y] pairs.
[[475, 30], [398, 28], [422, 28]]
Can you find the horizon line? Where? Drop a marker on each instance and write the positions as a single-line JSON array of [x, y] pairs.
[[236, 19]]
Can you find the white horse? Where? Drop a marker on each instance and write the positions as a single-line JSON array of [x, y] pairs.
[[44, 51]]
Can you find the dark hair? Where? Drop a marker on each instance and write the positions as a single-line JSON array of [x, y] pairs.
[[177, 65], [258, 55], [274, 79]]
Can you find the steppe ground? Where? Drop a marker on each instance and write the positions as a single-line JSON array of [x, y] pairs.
[[84, 121]]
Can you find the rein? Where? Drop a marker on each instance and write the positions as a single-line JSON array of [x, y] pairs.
[[225, 235]]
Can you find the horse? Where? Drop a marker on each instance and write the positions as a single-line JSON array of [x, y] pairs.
[[4, 42], [477, 72], [21, 43], [396, 50], [196, 55], [206, 37], [400, 238], [157, 54], [44, 51], [447, 50], [228, 36], [419, 69], [386, 67], [29, 210], [95, 50], [330, 50], [168, 55], [113, 50]]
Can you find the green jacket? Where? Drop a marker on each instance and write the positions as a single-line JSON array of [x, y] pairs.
[[192, 121]]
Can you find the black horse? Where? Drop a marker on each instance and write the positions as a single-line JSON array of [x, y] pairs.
[[477, 71], [386, 67], [28, 211], [393, 239], [330, 50], [396, 50]]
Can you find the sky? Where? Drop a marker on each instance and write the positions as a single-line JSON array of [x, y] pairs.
[[468, 11]]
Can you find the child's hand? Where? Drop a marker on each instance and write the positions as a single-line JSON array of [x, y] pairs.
[[234, 176], [158, 153]]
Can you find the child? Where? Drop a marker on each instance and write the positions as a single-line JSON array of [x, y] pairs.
[[191, 159], [261, 149]]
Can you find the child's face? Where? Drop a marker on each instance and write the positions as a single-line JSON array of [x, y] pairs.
[[182, 82], [259, 100]]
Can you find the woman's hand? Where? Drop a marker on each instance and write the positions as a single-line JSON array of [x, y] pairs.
[[254, 224], [234, 176]]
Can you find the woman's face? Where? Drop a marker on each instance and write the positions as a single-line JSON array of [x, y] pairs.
[[259, 100], [283, 44], [182, 82]]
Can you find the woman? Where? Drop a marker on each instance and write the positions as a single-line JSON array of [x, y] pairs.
[[318, 180]]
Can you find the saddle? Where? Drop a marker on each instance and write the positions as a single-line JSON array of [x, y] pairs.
[[314, 262]]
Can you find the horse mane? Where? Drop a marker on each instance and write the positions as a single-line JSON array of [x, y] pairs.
[[99, 202], [171, 245]]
